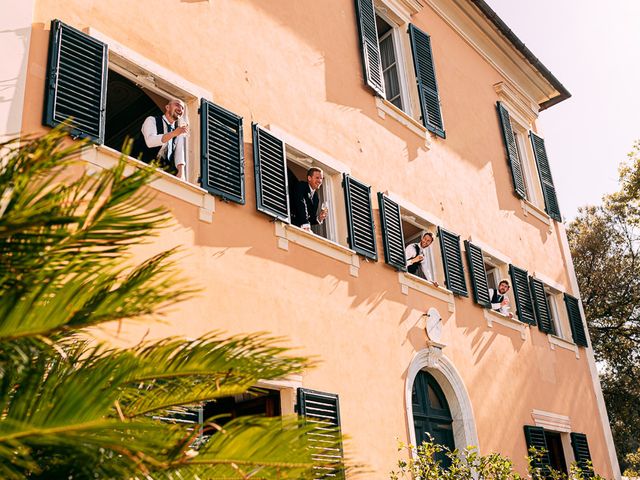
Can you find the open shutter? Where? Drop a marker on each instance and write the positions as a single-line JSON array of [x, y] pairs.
[[512, 152], [222, 152], [479, 282], [362, 235], [392, 236], [522, 294], [581, 453], [271, 175], [76, 82], [369, 47], [322, 410], [535, 438], [575, 320], [427, 84], [543, 315], [546, 181], [452, 262]]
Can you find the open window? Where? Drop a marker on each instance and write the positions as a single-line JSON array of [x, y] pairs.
[[105, 91], [487, 272], [392, 62], [330, 194], [281, 185], [419, 238]]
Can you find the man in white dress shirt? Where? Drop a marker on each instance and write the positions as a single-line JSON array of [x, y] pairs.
[[163, 139], [419, 258]]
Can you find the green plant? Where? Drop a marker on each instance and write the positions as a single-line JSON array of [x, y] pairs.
[[75, 407], [422, 463]]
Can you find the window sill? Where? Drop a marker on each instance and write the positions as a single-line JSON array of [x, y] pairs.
[[387, 108], [289, 233], [106, 157], [555, 341], [492, 317], [408, 281], [530, 208]]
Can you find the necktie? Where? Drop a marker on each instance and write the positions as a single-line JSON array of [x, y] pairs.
[[172, 142]]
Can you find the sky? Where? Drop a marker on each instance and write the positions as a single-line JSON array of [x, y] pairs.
[[593, 49]]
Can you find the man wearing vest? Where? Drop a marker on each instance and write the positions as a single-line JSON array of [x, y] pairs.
[[163, 140], [499, 299], [419, 259]]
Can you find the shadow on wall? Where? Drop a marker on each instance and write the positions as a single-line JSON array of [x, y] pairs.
[[342, 66]]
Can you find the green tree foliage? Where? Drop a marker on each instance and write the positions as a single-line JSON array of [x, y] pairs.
[[633, 464], [605, 245], [468, 464], [72, 407]]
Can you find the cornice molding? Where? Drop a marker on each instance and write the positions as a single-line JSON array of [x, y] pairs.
[[481, 34]]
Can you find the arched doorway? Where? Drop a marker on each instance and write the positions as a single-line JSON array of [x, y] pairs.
[[431, 413]]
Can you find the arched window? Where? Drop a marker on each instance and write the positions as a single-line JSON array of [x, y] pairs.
[[431, 414]]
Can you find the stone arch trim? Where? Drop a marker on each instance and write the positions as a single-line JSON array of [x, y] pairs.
[[432, 360]]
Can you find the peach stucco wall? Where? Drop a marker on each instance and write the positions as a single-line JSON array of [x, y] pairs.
[[296, 64]]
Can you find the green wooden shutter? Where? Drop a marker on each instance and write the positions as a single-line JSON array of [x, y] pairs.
[[427, 84], [271, 174], [322, 410], [535, 438], [512, 152], [581, 453], [546, 181], [369, 47], [575, 320], [221, 152], [452, 262], [543, 315], [362, 235], [392, 236], [76, 87], [522, 294], [479, 282]]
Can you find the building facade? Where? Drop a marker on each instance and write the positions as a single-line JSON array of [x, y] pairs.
[[423, 116]]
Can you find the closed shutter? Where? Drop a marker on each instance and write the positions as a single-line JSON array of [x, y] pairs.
[[452, 262], [362, 235], [522, 294], [271, 176], [512, 152], [546, 181], [575, 320], [76, 82], [581, 453], [369, 47], [222, 152], [392, 236], [427, 84], [535, 438], [479, 282], [543, 315], [322, 410]]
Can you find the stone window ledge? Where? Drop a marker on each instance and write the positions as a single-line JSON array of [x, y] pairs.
[[387, 108], [530, 209], [289, 233], [102, 156], [491, 316], [555, 341], [408, 281]]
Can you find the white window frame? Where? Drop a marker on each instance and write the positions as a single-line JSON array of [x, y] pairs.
[[401, 65], [164, 82]]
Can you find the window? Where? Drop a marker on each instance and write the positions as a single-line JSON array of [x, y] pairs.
[[555, 446], [554, 313], [329, 194], [107, 95], [527, 157], [381, 44], [280, 166], [487, 272], [393, 71]]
